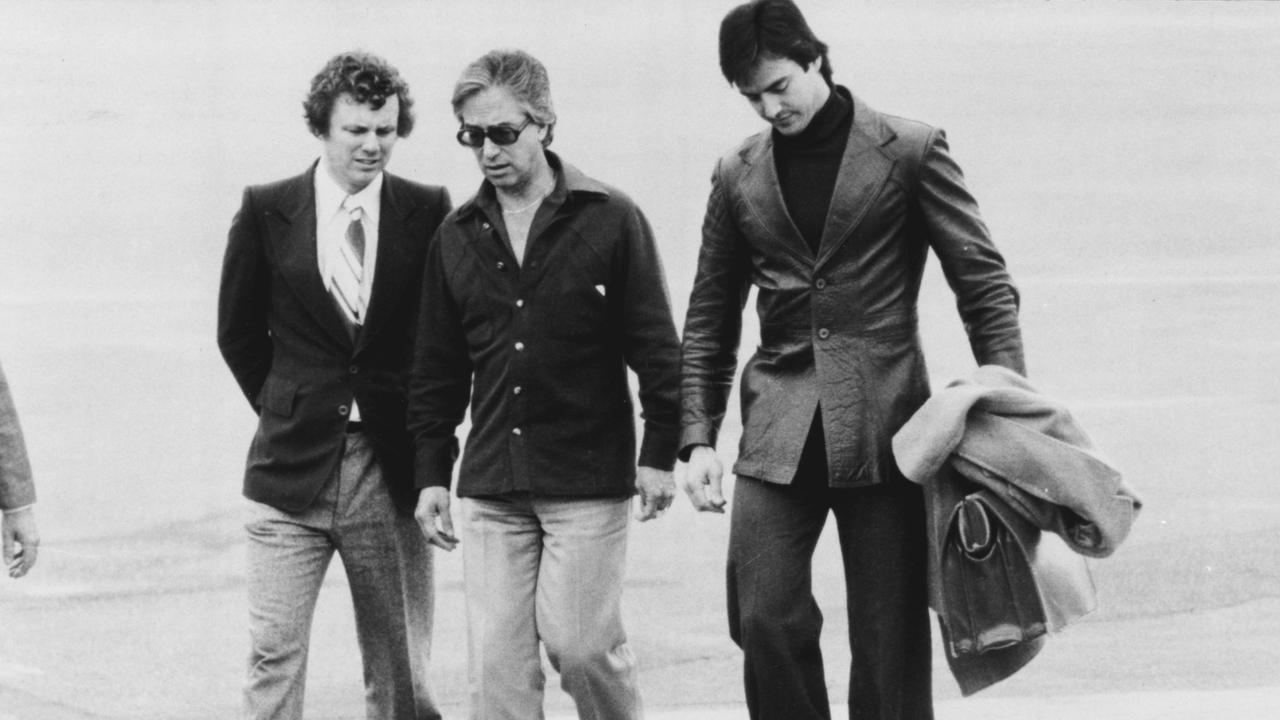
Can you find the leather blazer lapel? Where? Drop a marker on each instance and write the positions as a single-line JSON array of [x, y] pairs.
[[394, 262], [863, 172], [293, 230], [762, 194]]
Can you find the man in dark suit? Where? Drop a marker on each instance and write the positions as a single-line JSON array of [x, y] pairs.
[[319, 298], [830, 214], [17, 493]]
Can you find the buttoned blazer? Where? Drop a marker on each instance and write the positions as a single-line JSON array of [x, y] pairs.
[[296, 359], [16, 487], [837, 326]]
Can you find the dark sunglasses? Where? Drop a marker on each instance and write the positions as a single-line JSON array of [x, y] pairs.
[[473, 136]]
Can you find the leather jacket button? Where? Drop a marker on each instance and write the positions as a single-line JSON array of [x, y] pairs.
[[824, 333], [820, 283], [343, 410]]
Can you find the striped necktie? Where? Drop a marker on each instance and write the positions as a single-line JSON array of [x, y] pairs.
[[348, 272]]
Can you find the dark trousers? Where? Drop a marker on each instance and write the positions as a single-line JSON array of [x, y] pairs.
[[774, 618]]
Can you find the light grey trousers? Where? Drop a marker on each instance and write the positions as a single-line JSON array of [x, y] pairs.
[[388, 565], [547, 570]]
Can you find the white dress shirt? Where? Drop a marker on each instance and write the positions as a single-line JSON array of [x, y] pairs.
[[332, 220]]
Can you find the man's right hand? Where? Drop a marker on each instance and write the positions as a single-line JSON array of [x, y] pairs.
[[21, 541], [433, 517], [702, 477]]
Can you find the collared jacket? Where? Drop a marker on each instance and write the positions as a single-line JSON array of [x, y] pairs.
[[838, 326], [540, 350]]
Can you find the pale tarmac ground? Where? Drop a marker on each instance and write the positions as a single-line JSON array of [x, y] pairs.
[[1124, 155]]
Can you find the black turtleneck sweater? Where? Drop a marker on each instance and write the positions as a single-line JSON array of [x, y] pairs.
[[809, 162]]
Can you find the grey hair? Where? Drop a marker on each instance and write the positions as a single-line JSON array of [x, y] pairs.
[[516, 71]]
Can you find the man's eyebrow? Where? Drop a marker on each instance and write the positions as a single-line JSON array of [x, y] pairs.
[[771, 87]]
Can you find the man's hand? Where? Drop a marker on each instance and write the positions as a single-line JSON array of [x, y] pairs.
[[21, 541], [433, 517], [657, 489], [702, 477]]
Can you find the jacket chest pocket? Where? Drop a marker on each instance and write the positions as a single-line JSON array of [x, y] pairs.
[[579, 296]]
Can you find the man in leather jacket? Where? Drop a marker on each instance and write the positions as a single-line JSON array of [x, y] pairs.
[[830, 213]]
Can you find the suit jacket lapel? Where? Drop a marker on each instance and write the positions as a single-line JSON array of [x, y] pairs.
[[863, 171], [294, 231], [763, 197], [393, 266]]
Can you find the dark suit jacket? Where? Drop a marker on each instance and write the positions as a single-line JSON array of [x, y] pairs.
[[16, 488], [838, 327], [288, 345]]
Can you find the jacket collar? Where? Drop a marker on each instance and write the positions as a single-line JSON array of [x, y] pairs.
[[296, 211], [864, 167]]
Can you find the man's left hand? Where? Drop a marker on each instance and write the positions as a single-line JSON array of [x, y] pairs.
[[657, 488]]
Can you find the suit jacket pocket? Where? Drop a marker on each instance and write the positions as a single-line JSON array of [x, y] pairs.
[[278, 396]]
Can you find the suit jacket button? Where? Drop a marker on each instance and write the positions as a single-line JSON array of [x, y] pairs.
[[343, 410], [821, 283], [502, 267], [353, 369], [824, 333]]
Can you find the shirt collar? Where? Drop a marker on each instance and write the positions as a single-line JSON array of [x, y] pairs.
[[329, 195], [570, 183]]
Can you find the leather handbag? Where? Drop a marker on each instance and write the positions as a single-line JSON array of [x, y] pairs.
[[1004, 581]]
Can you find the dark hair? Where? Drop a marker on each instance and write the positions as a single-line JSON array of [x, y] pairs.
[[367, 78], [521, 74], [768, 28]]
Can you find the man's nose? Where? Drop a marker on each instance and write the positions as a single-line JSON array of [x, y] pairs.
[[370, 143], [490, 148], [769, 107]]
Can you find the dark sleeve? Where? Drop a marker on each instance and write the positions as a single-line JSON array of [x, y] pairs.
[[974, 268], [440, 380], [243, 300], [16, 487], [444, 204], [650, 344], [713, 323]]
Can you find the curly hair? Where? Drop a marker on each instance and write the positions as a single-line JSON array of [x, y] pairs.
[[520, 73], [364, 76]]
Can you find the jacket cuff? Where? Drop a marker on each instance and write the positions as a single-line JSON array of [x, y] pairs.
[[433, 462], [658, 449], [694, 435]]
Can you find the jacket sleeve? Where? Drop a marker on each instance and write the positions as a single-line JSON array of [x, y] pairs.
[[440, 380], [713, 323], [985, 294], [243, 300], [650, 344], [16, 487]]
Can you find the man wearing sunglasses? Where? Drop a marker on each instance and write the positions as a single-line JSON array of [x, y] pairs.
[[540, 292], [830, 213], [319, 301]]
